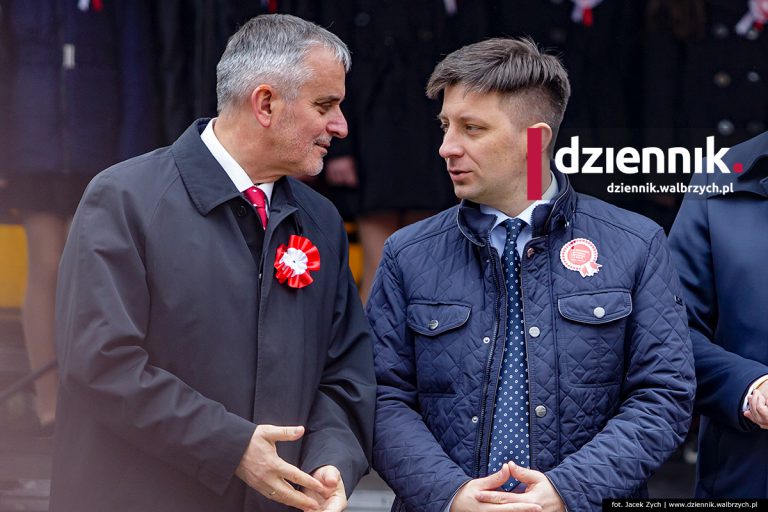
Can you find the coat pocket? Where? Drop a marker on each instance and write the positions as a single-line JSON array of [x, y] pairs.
[[590, 332], [439, 344]]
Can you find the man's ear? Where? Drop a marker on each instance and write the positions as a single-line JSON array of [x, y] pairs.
[[263, 102], [546, 134]]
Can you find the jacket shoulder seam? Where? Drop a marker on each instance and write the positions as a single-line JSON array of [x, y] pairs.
[[420, 239], [645, 239]]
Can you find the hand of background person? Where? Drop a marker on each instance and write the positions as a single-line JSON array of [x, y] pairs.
[[336, 500], [539, 490], [758, 406], [263, 470], [341, 171], [468, 497]]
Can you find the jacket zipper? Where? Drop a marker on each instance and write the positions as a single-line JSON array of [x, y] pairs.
[[487, 379], [527, 364]]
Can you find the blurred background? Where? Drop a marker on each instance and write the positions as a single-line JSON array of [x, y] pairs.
[[87, 83]]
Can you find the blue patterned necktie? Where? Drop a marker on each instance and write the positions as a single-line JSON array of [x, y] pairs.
[[509, 441]]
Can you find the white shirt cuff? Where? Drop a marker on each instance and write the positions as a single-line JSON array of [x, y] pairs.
[[757, 383]]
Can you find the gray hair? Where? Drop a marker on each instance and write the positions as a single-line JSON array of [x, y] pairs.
[[512, 67], [270, 49]]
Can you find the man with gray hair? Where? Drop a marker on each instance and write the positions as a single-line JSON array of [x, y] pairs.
[[531, 348], [206, 311]]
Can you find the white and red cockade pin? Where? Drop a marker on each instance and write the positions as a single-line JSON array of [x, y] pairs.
[[582, 11], [580, 255], [756, 17], [294, 262]]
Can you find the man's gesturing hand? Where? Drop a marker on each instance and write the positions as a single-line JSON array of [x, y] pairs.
[[263, 470], [336, 501], [758, 406], [468, 497], [538, 490]]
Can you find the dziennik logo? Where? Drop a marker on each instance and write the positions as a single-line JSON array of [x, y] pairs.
[[574, 159]]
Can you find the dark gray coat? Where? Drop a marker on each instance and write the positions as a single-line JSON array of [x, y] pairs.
[[173, 343]]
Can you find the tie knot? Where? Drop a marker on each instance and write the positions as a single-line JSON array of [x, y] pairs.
[[513, 227], [256, 197]]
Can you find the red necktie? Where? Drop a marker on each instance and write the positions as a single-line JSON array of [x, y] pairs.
[[258, 199]]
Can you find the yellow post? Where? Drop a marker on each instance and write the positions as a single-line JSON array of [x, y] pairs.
[[13, 265]]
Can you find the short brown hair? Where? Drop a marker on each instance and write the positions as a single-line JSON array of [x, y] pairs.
[[514, 67]]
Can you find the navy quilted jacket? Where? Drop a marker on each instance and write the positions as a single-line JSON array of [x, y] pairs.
[[611, 392]]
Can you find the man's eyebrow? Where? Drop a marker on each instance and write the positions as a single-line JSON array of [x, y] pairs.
[[464, 118], [329, 99]]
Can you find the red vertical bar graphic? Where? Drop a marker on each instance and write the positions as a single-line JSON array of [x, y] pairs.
[[535, 169]]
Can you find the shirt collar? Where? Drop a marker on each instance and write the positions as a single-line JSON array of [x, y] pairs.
[[235, 172], [527, 214]]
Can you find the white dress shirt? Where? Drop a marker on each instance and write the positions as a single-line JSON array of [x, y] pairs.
[[236, 173], [499, 233]]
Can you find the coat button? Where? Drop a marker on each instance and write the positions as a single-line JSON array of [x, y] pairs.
[[599, 312], [425, 35], [530, 252], [534, 332], [474, 419], [362, 19], [486, 340], [241, 211], [725, 127], [722, 79], [753, 76], [755, 127], [558, 35], [720, 31], [433, 325], [540, 411]]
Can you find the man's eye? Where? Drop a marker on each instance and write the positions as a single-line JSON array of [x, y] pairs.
[[471, 128], [444, 127]]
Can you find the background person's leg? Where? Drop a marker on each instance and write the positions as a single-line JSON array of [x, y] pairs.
[[46, 234]]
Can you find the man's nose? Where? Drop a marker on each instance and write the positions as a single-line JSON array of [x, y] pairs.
[[338, 126], [450, 148]]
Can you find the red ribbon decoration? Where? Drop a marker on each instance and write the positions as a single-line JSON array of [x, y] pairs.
[[284, 272], [97, 5], [587, 17]]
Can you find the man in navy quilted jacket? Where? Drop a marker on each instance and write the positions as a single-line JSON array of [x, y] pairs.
[[531, 354]]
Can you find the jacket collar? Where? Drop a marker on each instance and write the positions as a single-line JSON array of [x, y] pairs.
[[753, 155], [209, 186], [476, 225]]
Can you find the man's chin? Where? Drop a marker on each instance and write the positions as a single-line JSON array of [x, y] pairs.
[[463, 193], [311, 172]]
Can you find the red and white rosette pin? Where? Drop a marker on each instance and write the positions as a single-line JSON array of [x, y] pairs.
[[582, 11], [580, 255], [756, 17], [294, 262]]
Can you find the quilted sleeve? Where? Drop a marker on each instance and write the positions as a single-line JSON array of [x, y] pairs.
[[405, 453], [723, 377], [657, 395]]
